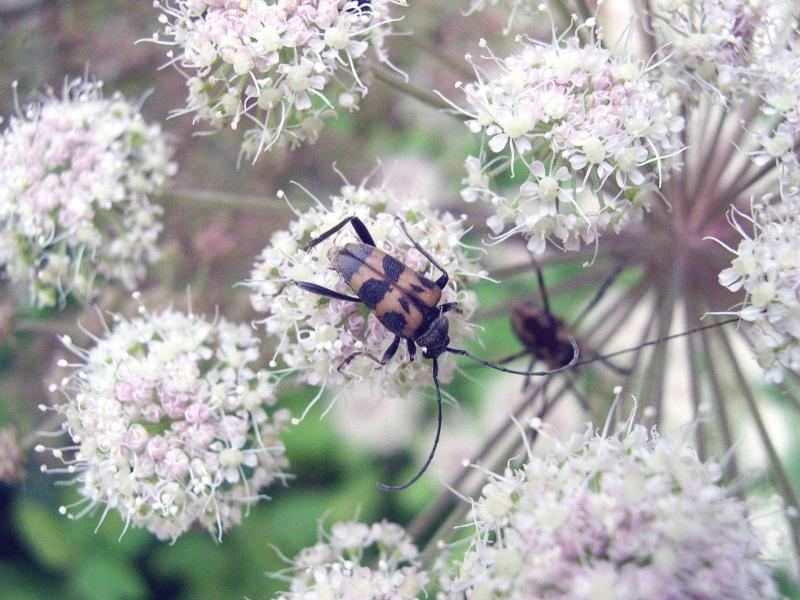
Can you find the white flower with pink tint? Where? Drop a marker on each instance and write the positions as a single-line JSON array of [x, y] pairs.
[[313, 334], [275, 67], [710, 46], [767, 268], [582, 134], [776, 79], [77, 175], [357, 561], [168, 416], [631, 515]]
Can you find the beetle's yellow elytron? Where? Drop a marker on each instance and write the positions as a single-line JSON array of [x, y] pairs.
[[406, 303]]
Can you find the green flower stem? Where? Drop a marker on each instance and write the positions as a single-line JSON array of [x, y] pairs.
[[668, 295], [227, 200], [783, 481], [410, 89], [456, 66], [695, 389], [720, 404], [43, 327]]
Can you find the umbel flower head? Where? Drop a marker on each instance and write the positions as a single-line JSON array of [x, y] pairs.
[[77, 174], [767, 267], [168, 418], [710, 46], [583, 134], [355, 561], [316, 334], [281, 66], [776, 78], [631, 515]]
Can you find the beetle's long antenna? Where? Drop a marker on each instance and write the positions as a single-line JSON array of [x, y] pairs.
[[574, 361], [656, 341], [413, 480]]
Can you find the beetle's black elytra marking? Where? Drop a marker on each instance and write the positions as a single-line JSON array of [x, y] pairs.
[[348, 260], [346, 265], [359, 251], [373, 291], [427, 282], [394, 321], [404, 303], [417, 289], [393, 268]]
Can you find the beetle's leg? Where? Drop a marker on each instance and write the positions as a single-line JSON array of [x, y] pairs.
[[387, 356], [391, 350], [361, 231], [442, 281], [412, 350], [448, 306], [350, 357], [323, 291]]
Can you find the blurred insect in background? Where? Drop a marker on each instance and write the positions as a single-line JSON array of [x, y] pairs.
[[406, 303], [547, 337]]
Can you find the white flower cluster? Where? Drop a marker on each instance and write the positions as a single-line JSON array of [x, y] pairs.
[[777, 80], [315, 333], [587, 132], [767, 267], [631, 516], [276, 64], [357, 561], [169, 419], [711, 45], [76, 177]]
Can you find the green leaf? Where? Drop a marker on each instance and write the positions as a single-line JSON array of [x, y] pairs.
[[133, 543], [20, 583], [107, 577], [45, 534]]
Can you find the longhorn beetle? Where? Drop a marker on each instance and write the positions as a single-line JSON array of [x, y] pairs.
[[406, 303]]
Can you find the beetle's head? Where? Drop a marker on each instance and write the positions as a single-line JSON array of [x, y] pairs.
[[434, 340]]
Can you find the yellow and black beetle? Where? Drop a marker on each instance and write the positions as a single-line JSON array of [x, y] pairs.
[[405, 302]]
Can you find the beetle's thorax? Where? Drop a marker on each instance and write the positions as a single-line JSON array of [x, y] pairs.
[[435, 339]]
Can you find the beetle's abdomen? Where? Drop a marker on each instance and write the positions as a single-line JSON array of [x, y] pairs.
[[402, 299], [545, 335]]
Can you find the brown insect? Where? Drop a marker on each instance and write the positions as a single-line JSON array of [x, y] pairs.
[[546, 336], [406, 303]]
